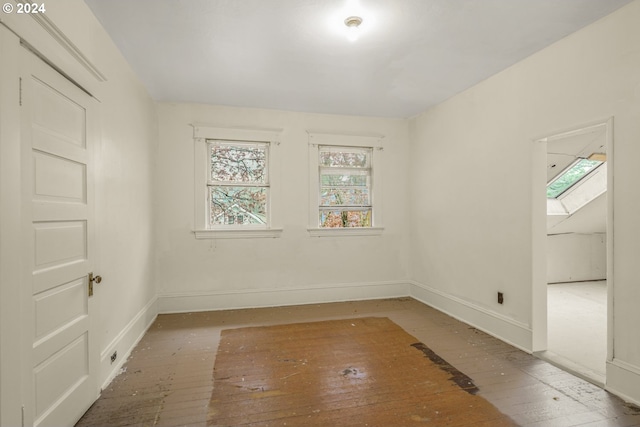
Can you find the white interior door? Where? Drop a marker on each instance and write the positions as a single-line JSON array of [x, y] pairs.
[[58, 227]]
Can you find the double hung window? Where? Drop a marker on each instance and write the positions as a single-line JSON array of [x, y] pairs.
[[345, 184], [345, 187], [238, 188], [237, 191]]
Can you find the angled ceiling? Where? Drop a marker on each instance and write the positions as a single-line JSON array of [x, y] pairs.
[[294, 54], [563, 150], [591, 213]]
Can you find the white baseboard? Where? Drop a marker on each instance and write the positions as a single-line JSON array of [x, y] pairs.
[[253, 298], [623, 380], [125, 341], [504, 328], [513, 332]]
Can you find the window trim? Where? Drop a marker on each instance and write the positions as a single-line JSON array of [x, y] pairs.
[[203, 135], [373, 141]]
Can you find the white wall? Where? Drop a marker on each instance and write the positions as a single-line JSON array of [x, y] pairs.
[[472, 199], [125, 165], [295, 268], [124, 181], [575, 257], [125, 211]]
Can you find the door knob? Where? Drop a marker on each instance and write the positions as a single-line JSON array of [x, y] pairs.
[[92, 279]]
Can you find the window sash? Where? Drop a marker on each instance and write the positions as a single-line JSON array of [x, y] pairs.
[[570, 176], [349, 195], [366, 151], [235, 209], [212, 145], [345, 218]]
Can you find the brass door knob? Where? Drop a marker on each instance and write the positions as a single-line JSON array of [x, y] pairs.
[[93, 278]]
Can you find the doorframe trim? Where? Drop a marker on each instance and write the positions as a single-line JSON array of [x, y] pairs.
[[47, 40], [539, 233], [11, 393]]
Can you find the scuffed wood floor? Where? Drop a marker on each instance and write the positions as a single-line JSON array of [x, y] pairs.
[[351, 372], [168, 380]]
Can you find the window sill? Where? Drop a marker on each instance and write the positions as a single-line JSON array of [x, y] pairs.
[[238, 233], [341, 232]]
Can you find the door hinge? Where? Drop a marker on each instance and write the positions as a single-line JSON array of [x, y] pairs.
[[20, 92], [22, 415]]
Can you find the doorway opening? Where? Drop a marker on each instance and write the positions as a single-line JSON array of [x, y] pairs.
[[574, 253]]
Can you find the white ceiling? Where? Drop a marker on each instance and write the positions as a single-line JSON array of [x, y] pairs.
[[294, 55]]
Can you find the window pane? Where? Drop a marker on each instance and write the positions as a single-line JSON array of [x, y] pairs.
[[341, 158], [238, 205], [341, 219], [570, 176], [340, 179], [332, 196], [238, 163]]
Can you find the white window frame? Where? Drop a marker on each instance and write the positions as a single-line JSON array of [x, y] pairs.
[[204, 136], [374, 142]]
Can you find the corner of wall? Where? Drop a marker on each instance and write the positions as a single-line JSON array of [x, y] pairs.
[[124, 343]]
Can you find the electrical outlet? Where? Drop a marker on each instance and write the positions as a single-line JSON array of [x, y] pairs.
[[500, 297], [114, 356]]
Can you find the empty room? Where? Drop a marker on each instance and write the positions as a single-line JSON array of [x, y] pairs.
[[319, 213]]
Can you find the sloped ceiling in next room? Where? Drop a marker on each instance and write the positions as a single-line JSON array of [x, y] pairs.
[[589, 214]]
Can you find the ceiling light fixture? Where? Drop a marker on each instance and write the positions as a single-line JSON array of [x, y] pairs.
[[352, 23]]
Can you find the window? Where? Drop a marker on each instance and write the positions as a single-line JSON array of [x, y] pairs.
[[239, 183], [345, 184], [570, 176], [345, 187], [236, 193]]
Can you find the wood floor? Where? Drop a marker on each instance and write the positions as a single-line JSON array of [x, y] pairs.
[[169, 378], [349, 372]]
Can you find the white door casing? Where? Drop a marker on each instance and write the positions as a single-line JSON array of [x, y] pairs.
[[61, 355]]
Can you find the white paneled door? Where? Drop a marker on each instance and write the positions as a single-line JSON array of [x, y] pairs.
[[61, 354]]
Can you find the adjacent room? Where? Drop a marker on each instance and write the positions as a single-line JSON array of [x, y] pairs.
[[319, 212], [577, 250]]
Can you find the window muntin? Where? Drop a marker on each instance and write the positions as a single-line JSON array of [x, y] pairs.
[[570, 176], [238, 185], [345, 187]]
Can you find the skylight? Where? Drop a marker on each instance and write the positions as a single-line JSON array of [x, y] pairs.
[[570, 176]]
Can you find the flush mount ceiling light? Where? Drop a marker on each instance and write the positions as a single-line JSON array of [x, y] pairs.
[[353, 21]]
